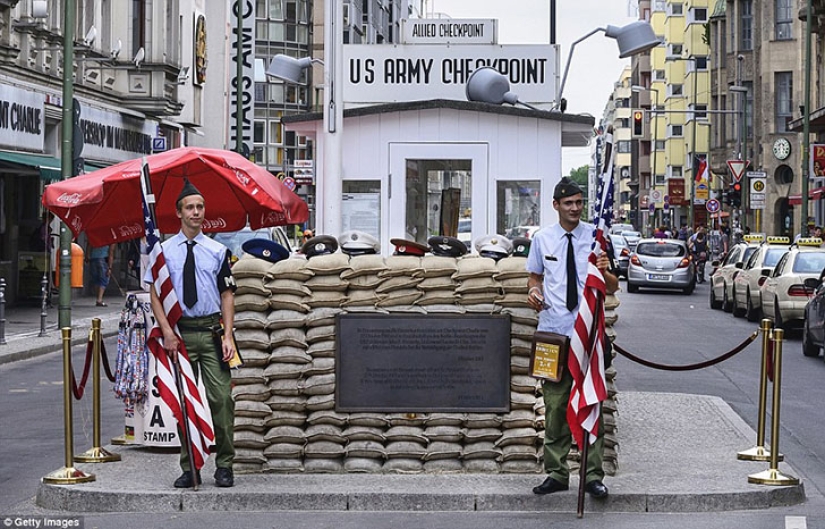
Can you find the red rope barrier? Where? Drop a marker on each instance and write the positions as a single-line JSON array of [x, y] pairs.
[[78, 390], [105, 360]]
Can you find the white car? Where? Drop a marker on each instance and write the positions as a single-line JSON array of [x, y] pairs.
[[721, 280], [747, 298], [784, 294]]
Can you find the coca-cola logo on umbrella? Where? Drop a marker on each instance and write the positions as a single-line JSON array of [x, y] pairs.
[[67, 198], [214, 224]]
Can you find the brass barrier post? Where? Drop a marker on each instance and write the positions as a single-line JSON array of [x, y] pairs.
[[96, 454], [68, 475], [772, 476], [758, 452]]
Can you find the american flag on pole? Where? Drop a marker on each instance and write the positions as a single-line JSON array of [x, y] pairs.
[[586, 358], [199, 431]]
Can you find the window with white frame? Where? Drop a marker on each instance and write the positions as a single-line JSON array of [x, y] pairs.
[[674, 50], [623, 146], [698, 15], [659, 75], [674, 131], [675, 90], [675, 171], [783, 20], [675, 10], [660, 145], [700, 111]]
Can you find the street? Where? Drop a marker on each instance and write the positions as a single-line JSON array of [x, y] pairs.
[[664, 327]]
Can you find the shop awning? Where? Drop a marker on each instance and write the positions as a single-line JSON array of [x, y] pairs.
[[814, 194], [49, 167]]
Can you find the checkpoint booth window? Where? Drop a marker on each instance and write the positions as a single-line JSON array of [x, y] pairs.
[[361, 207]]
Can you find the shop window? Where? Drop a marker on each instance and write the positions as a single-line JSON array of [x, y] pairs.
[[361, 207]]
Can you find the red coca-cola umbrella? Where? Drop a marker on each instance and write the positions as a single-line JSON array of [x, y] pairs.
[[106, 204]]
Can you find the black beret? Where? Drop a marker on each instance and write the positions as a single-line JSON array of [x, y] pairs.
[[447, 246], [188, 190], [319, 245], [566, 188], [265, 249], [407, 247], [521, 246]]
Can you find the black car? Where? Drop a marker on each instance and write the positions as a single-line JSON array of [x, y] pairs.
[[813, 330]]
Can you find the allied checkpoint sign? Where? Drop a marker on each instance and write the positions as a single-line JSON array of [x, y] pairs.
[[382, 73]]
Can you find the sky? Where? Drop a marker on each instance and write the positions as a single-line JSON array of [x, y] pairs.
[[595, 65]]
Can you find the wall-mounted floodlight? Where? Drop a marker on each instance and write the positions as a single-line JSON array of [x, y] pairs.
[[183, 75], [115, 50], [90, 37], [288, 68], [487, 85], [632, 39], [138, 60]]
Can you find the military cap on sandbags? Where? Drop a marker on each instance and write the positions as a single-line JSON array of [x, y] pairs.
[[566, 188], [319, 245], [188, 190], [447, 246], [407, 247], [521, 246], [354, 242], [265, 249], [494, 246]]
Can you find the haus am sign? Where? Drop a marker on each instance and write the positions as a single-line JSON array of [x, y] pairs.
[[375, 74]]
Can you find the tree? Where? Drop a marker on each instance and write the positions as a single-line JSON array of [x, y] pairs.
[[580, 176]]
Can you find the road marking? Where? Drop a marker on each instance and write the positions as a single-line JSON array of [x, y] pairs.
[[796, 522], [21, 390]]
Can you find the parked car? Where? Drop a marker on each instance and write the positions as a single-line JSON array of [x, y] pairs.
[[784, 294], [522, 231], [621, 251], [632, 238], [724, 272], [813, 330], [661, 263], [617, 229], [747, 298], [465, 232]]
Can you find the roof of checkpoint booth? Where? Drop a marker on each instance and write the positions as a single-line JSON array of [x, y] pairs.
[[106, 203]]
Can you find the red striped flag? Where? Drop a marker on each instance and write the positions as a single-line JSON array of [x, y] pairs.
[[200, 433], [702, 172], [586, 358]]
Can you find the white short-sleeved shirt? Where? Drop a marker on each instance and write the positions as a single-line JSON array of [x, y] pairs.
[[209, 258], [548, 257]]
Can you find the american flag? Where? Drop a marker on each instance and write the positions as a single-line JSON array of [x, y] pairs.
[[200, 433], [586, 358]]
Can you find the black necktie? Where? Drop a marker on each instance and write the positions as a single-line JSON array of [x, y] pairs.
[[572, 286], [190, 286]]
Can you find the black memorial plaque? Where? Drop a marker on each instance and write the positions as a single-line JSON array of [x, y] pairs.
[[422, 363]]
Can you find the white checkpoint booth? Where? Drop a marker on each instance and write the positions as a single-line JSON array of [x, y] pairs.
[[444, 167]]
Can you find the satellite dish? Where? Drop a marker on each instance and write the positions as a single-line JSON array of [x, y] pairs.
[[90, 37], [115, 50], [141, 53]]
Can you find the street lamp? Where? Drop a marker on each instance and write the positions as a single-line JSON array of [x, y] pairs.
[[289, 69], [637, 89], [632, 39]]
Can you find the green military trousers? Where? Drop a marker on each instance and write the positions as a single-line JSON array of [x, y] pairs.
[[557, 438], [217, 381]]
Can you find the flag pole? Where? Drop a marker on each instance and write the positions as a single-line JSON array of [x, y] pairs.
[[582, 473], [184, 433], [146, 187]]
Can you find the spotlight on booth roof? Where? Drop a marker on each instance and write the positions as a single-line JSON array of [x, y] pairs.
[[408, 247], [494, 246], [447, 246], [354, 242], [319, 245], [265, 249]]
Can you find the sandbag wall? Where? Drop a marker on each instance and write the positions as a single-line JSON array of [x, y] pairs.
[[285, 327]]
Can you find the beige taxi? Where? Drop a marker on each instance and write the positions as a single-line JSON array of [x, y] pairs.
[[747, 299], [784, 294], [721, 280]]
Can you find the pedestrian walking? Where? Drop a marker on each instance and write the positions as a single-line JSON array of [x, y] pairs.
[[200, 274], [557, 263], [100, 268]]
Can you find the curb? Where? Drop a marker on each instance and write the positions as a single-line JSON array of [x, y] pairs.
[[31, 345]]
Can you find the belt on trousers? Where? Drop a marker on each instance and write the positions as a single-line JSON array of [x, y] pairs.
[[202, 323]]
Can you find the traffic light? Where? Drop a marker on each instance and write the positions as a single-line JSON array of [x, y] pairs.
[[736, 194], [638, 126], [726, 198]]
